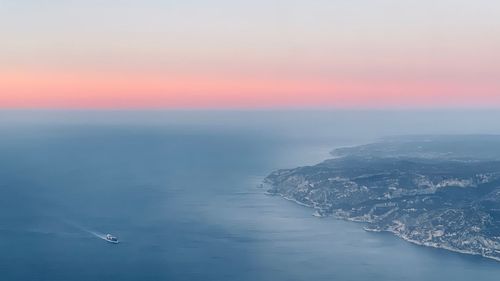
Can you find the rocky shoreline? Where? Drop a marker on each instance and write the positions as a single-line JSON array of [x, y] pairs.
[[425, 196]]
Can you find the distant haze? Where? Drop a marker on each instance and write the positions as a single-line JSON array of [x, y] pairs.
[[319, 125]]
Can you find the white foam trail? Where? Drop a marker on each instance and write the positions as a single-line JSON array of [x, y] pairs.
[[98, 235], [94, 233]]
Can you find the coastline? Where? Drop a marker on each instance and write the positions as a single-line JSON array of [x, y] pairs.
[[395, 233], [433, 245]]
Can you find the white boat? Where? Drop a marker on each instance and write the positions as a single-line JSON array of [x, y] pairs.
[[112, 239]]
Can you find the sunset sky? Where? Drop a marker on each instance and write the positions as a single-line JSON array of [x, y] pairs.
[[249, 54]]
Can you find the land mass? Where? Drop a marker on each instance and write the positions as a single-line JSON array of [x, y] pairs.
[[438, 191]]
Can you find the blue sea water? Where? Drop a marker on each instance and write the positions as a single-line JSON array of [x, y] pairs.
[[181, 192]]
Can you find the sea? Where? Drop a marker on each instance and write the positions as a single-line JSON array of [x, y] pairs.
[[181, 191]]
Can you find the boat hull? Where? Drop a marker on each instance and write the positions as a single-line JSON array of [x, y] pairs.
[[113, 242]]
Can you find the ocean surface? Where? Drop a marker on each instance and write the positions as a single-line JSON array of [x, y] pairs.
[[180, 190]]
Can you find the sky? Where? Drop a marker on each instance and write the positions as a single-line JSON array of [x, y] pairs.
[[249, 54]]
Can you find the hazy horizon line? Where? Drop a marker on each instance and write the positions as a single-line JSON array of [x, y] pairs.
[[278, 108]]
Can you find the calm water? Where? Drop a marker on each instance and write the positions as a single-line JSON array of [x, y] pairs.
[[182, 197]]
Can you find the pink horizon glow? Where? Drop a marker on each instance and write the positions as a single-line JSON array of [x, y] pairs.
[[250, 54], [132, 90]]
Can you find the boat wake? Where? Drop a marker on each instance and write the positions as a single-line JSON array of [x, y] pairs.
[[98, 235], [89, 231]]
